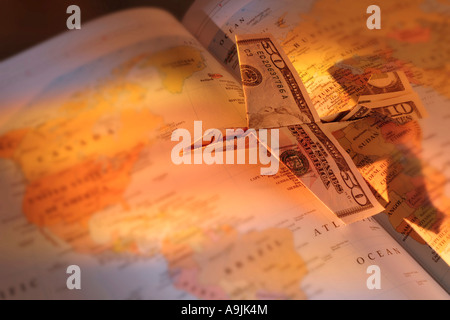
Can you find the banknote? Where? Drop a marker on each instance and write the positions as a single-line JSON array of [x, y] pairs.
[[315, 157], [385, 86], [274, 94], [276, 98], [389, 94], [403, 109]]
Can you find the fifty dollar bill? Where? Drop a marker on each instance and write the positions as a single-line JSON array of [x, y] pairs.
[[319, 162], [276, 98], [274, 93]]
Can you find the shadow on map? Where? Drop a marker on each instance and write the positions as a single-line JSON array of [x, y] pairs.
[[400, 180]]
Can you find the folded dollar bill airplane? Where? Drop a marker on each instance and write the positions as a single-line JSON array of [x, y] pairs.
[[276, 98]]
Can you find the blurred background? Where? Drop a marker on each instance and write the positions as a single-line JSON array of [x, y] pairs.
[[25, 23]]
